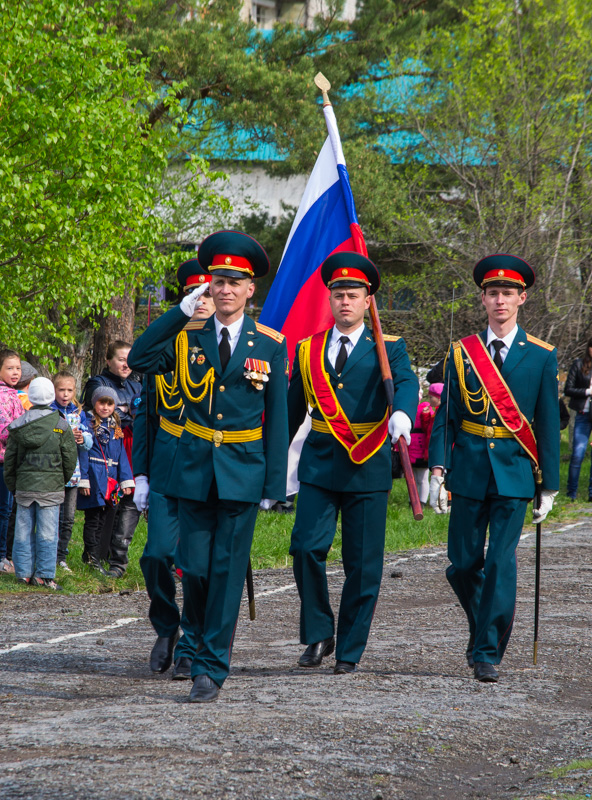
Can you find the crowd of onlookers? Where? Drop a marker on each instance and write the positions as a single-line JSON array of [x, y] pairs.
[[58, 455]]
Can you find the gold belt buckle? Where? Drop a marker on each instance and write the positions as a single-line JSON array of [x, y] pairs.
[[218, 438], [489, 432]]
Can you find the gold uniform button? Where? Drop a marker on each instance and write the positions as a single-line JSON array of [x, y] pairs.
[[340, 386], [493, 421], [218, 416], [492, 445], [222, 388]]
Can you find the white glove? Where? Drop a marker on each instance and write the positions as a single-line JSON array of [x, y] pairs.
[[589, 391], [438, 495], [399, 425], [141, 493], [539, 514], [191, 301], [266, 504]]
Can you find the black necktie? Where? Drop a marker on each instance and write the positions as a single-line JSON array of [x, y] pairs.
[[341, 355], [497, 346], [224, 348]]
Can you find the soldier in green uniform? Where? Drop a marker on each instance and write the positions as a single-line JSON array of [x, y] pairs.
[[159, 423], [498, 419], [232, 375], [345, 464]]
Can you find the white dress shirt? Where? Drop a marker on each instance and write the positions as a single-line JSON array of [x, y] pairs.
[[335, 344], [507, 340], [234, 331]]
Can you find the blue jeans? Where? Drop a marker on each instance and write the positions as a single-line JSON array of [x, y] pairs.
[[581, 434], [35, 541], [5, 509]]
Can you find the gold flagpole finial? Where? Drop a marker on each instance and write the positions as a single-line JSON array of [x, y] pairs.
[[324, 86]]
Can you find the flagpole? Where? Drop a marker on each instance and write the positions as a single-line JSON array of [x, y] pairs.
[[360, 247]]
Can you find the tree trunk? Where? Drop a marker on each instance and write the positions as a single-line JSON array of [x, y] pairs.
[[113, 327]]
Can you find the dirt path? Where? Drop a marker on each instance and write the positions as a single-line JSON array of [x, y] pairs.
[[82, 716]]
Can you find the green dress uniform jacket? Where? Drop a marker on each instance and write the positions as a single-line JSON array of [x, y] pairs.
[[244, 471], [491, 481], [530, 370], [330, 482], [324, 462]]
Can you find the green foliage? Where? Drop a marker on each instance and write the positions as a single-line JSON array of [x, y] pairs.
[[495, 108], [77, 178]]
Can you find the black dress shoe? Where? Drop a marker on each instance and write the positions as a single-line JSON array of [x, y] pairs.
[[345, 667], [469, 652], [486, 673], [204, 690], [314, 653], [161, 656], [182, 669]]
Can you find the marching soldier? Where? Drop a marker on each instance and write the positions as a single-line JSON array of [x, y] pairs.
[[159, 424], [498, 421], [345, 463], [232, 373]]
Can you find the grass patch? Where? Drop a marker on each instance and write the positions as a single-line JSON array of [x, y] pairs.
[[272, 538], [573, 766]]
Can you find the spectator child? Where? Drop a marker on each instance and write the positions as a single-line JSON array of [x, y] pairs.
[[10, 409], [28, 372], [420, 439], [106, 459], [69, 408], [40, 458]]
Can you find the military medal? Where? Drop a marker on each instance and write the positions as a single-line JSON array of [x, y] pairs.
[[257, 372], [201, 359], [195, 350]]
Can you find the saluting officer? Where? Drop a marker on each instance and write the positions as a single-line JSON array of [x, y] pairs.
[[159, 423], [498, 421], [231, 372], [345, 463]]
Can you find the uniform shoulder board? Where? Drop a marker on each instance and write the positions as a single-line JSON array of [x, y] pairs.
[[195, 325], [390, 338], [305, 340], [540, 342], [275, 335]]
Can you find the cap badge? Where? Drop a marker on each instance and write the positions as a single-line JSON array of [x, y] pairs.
[[501, 273], [228, 260], [344, 272], [201, 278]]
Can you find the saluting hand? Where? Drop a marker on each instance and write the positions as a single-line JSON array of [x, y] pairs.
[[191, 301]]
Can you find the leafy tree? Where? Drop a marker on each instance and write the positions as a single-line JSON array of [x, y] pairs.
[[489, 123], [79, 176]]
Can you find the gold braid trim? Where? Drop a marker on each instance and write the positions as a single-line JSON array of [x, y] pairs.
[[468, 398], [303, 360], [163, 389], [183, 378]]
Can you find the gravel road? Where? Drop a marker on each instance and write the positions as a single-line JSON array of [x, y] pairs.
[[82, 716]]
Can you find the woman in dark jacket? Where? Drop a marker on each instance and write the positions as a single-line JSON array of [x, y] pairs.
[[578, 389]]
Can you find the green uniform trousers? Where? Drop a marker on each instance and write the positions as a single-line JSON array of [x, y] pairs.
[[486, 586], [214, 546], [157, 561], [363, 520]]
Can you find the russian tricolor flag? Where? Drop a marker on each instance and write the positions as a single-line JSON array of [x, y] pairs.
[[326, 222]]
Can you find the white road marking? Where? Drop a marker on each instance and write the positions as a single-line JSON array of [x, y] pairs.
[[287, 587], [118, 624], [557, 530]]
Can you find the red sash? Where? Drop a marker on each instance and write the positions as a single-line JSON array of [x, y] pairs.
[[500, 395], [359, 449]]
